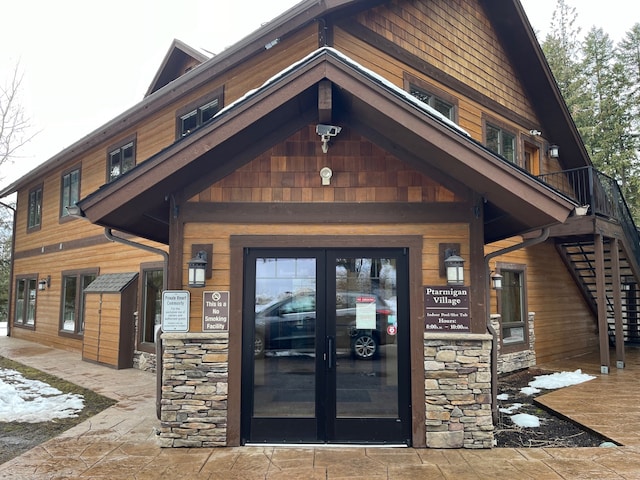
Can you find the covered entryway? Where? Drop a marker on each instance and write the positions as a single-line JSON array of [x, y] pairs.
[[326, 346]]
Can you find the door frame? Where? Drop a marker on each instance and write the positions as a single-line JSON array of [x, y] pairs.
[[414, 244]]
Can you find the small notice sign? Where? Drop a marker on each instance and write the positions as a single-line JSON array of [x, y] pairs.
[[366, 312], [175, 310], [447, 308], [215, 311]]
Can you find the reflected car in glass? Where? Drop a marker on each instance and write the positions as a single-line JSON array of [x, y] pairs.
[[364, 322]]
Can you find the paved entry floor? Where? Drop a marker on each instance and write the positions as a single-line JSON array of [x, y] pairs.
[[120, 442]]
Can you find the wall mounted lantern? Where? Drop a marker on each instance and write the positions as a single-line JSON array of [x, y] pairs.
[[454, 265], [496, 281], [197, 269], [554, 151], [44, 283]]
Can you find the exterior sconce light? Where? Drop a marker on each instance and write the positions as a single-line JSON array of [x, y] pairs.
[[44, 283], [197, 269], [326, 173], [496, 281], [554, 151], [454, 265]]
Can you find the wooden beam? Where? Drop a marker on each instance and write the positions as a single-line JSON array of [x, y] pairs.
[[325, 101], [601, 300], [616, 285]]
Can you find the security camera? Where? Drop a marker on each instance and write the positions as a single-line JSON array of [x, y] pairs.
[[331, 130]]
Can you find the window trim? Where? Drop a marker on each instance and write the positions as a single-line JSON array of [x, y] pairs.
[[433, 90], [64, 214], [203, 101], [38, 226], [25, 277], [120, 145], [503, 127], [142, 345], [517, 346], [79, 301]]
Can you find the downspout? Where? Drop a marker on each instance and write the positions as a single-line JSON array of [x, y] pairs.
[[158, 341], [544, 234], [13, 251]]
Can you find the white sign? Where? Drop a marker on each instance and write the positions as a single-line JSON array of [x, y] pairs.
[[175, 311], [366, 312]]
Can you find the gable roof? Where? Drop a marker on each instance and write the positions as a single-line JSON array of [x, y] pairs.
[[137, 202], [173, 64], [507, 16]]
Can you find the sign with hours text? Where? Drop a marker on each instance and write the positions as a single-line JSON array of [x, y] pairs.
[[215, 311], [175, 310], [446, 308]]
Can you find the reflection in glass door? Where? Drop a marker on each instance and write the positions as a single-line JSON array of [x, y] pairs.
[[325, 348]]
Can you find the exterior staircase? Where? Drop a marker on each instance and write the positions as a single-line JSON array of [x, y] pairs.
[[608, 223]]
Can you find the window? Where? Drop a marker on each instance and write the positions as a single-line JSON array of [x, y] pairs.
[[69, 190], [73, 285], [444, 107], [198, 113], [501, 142], [35, 208], [151, 304], [26, 289], [513, 309], [121, 159]]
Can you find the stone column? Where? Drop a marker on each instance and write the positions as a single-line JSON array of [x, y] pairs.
[[194, 390], [458, 390]]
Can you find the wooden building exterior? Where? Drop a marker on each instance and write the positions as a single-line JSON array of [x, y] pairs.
[[324, 168]]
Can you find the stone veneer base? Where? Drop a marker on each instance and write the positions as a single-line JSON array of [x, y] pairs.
[[194, 390], [458, 390]]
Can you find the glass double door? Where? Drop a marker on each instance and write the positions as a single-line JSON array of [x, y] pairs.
[[326, 347]]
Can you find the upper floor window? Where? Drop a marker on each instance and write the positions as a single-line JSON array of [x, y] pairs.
[[25, 310], [198, 113], [121, 159], [439, 104], [35, 208], [69, 190], [501, 141]]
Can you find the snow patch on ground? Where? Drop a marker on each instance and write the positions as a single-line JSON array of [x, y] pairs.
[[33, 401]]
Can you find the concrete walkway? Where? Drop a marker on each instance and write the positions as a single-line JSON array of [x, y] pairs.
[[120, 443]]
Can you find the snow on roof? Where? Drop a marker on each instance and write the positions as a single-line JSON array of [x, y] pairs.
[[365, 71]]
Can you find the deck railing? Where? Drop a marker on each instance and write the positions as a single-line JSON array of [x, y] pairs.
[[602, 193]]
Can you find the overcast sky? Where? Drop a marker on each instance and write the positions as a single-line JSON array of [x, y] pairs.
[[86, 61]]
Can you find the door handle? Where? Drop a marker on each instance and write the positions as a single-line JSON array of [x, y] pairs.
[[330, 352]]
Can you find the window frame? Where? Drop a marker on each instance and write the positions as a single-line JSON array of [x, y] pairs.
[[131, 140], [503, 129], [31, 277], [64, 214], [435, 92], [197, 108], [521, 270], [39, 204], [145, 268], [78, 329]]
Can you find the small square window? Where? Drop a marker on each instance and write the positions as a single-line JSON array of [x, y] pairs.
[[198, 113], [501, 142], [121, 160], [439, 104]]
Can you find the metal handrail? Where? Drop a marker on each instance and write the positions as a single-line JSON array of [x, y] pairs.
[[602, 194]]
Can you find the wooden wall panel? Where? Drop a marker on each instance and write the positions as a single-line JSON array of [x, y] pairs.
[[362, 172], [455, 37], [219, 235], [564, 324]]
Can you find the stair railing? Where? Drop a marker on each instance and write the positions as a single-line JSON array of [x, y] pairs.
[[588, 186]]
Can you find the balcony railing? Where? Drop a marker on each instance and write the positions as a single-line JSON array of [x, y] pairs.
[[602, 193]]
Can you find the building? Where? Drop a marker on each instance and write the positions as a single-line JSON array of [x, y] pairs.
[[319, 212]]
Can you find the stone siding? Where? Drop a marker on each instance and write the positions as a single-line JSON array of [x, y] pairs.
[[458, 390], [525, 358], [194, 390]]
